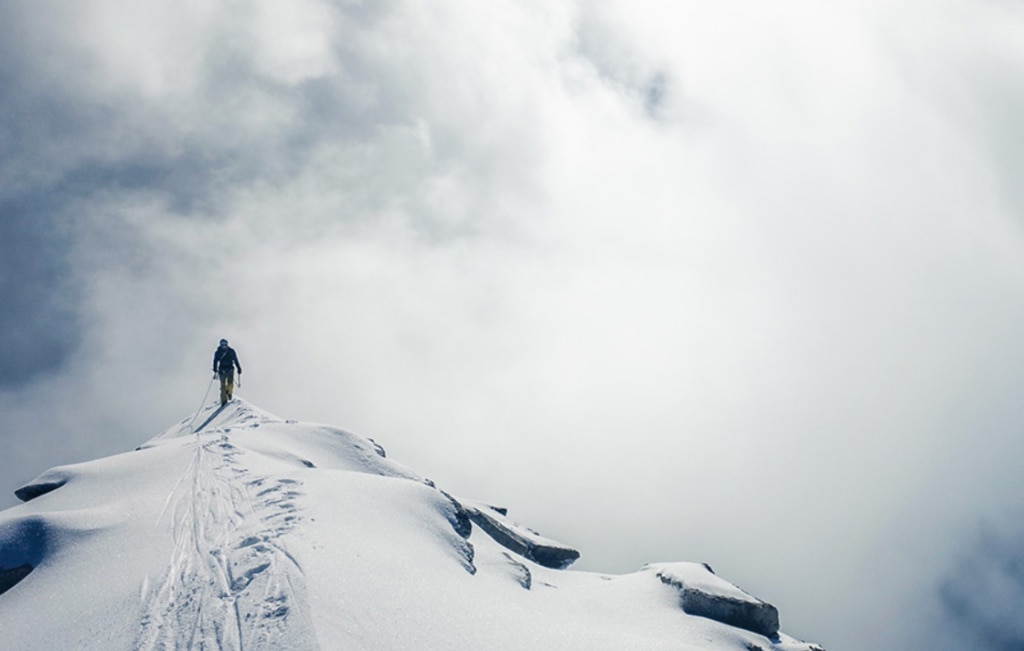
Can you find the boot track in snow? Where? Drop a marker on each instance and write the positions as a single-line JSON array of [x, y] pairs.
[[231, 583]]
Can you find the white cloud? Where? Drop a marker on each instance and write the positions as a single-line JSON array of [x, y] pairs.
[[766, 257]]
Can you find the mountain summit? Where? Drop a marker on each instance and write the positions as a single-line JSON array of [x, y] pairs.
[[239, 530]]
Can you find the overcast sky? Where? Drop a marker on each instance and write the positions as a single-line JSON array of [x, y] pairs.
[[723, 281]]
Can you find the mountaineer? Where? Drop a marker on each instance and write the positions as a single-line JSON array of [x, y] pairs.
[[225, 361]]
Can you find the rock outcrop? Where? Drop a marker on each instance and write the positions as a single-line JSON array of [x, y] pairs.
[[515, 537], [703, 593], [46, 483]]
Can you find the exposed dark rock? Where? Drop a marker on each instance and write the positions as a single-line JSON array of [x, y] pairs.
[[459, 519], [34, 490], [22, 546], [521, 540], [760, 617], [10, 577], [468, 554], [378, 448], [703, 594], [45, 483], [522, 573]]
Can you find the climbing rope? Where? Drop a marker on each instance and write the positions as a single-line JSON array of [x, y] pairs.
[[205, 396]]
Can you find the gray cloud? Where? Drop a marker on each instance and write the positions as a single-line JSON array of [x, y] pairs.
[[38, 318], [982, 595]]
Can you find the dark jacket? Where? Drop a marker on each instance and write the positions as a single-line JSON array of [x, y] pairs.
[[225, 360]]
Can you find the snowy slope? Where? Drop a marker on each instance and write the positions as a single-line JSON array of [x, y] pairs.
[[240, 530]]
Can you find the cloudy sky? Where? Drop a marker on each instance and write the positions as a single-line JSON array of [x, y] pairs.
[[726, 281]]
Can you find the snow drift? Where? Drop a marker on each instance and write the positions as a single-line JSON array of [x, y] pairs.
[[239, 530]]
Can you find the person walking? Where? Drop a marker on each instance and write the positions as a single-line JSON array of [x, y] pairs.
[[225, 361]]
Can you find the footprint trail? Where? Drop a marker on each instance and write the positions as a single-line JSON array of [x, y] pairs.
[[231, 583]]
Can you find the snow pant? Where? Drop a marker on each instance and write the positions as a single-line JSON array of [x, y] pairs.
[[227, 385]]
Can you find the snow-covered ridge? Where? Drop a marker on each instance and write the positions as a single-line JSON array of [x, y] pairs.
[[237, 529]]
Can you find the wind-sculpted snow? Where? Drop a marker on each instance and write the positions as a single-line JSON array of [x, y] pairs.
[[293, 443], [238, 530]]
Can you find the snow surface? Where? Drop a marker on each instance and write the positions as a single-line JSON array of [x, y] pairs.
[[239, 530]]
